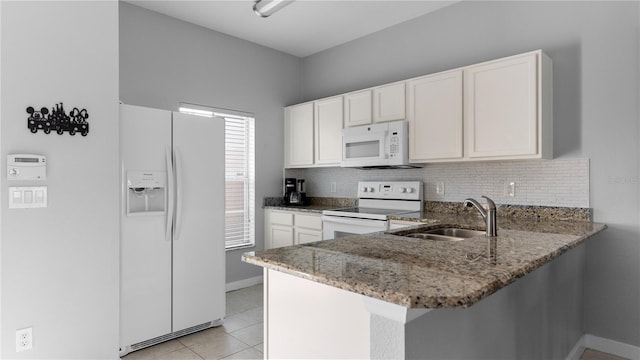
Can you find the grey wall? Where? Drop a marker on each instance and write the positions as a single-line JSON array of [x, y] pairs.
[[60, 264], [595, 51], [164, 61]]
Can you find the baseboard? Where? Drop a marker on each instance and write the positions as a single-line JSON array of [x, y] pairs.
[[605, 345], [244, 283]]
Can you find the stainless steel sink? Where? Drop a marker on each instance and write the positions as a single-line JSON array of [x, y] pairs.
[[455, 232], [435, 237], [442, 234]]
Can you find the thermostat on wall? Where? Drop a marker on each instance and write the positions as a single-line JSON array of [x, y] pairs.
[[26, 167]]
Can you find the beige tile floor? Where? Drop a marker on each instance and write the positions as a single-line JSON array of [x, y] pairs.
[[240, 337]]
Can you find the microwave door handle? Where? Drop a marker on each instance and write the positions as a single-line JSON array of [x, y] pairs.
[[384, 147]]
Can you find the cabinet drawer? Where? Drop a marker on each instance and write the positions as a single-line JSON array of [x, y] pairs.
[[309, 221], [281, 218]]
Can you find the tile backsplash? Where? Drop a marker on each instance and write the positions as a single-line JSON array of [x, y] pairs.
[[562, 182]]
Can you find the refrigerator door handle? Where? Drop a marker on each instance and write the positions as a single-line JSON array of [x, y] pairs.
[[178, 186], [170, 202]]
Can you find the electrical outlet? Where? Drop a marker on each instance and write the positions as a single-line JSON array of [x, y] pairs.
[[333, 186], [440, 188], [24, 339], [510, 188]]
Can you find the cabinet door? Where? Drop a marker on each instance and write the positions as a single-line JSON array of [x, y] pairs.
[[298, 135], [389, 102], [303, 236], [357, 108], [328, 131], [501, 112], [280, 236], [435, 117]]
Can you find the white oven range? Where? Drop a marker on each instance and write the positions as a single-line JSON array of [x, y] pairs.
[[377, 200]]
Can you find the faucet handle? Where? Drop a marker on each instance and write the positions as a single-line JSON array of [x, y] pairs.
[[490, 203]]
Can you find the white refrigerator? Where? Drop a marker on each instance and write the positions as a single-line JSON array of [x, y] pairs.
[[172, 256]]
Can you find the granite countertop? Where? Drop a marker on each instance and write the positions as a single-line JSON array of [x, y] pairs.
[[419, 273], [313, 204], [313, 208]]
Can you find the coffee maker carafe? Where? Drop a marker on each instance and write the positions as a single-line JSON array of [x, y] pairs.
[[289, 188], [302, 195]]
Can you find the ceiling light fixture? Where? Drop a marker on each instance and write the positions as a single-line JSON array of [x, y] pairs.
[[266, 8]]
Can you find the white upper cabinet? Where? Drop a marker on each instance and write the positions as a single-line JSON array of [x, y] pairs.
[[389, 102], [435, 117], [298, 135], [507, 108], [496, 110], [357, 108], [328, 131], [313, 134]]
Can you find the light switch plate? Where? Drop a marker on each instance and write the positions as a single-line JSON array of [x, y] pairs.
[[440, 188], [27, 197]]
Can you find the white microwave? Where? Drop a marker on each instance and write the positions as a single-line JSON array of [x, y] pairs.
[[381, 145]]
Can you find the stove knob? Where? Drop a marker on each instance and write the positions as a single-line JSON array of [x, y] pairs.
[[409, 190], [364, 189], [403, 190], [370, 189]]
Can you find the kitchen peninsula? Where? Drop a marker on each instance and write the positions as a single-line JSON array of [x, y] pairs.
[[385, 295]]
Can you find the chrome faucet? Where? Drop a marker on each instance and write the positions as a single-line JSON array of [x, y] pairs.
[[488, 215]]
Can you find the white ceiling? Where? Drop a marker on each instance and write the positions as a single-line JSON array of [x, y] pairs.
[[303, 28]]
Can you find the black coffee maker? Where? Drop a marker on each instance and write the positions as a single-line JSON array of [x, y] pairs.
[[300, 196], [289, 189]]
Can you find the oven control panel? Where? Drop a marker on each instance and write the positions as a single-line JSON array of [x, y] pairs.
[[400, 190]]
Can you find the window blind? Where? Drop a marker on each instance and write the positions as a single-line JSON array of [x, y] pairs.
[[239, 182]]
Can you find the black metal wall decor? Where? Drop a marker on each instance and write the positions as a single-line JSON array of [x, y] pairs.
[[58, 120]]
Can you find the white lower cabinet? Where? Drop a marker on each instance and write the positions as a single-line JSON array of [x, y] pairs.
[[303, 236], [280, 235], [286, 228]]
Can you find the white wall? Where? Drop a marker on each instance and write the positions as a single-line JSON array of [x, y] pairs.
[[164, 61], [59, 265], [594, 46]]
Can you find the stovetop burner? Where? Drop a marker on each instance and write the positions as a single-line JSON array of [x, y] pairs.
[[378, 200]]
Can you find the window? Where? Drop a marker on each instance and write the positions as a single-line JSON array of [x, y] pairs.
[[239, 181]]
